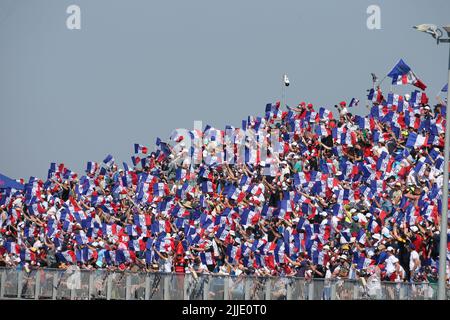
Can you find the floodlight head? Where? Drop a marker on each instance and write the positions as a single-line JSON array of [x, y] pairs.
[[447, 29], [430, 29]]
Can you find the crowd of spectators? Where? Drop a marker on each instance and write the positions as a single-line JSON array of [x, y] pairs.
[[343, 196]]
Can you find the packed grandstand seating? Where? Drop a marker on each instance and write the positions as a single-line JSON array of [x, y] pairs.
[[333, 195]]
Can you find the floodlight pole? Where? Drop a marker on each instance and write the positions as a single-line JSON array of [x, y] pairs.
[[444, 214]]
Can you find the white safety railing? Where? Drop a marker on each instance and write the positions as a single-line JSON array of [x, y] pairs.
[[73, 284]]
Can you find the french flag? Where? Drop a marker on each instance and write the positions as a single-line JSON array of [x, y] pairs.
[[159, 189], [397, 100], [67, 256], [142, 220], [233, 253], [321, 130], [222, 233], [206, 258], [29, 231], [402, 74], [418, 97], [180, 212], [92, 167], [416, 140], [383, 162], [361, 237], [136, 245], [109, 160], [138, 148], [247, 216], [135, 160], [375, 96], [207, 187], [353, 103], [12, 247], [181, 174], [27, 255], [325, 114]]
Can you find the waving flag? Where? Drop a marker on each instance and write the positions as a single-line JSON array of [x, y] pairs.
[[109, 160], [66, 256], [445, 88], [138, 148], [418, 98], [206, 258], [402, 74], [416, 140], [353, 103], [92, 167], [6, 183], [375, 96]]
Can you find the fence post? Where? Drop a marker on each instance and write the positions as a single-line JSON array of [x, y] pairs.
[[186, 286], [333, 290], [226, 281], [206, 287], [2, 284], [19, 284], [91, 285], [379, 292], [355, 289], [55, 286], [128, 287], [268, 282], [311, 290], [109, 287], [246, 288], [37, 287], [402, 291], [147, 287], [166, 287], [72, 291], [288, 290]]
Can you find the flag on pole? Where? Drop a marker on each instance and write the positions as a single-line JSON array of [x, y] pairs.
[[402, 74], [138, 148], [109, 160], [353, 103]]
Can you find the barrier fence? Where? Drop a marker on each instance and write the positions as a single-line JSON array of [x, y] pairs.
[[55, 284]]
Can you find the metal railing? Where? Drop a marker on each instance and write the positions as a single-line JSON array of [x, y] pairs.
[[55, 284]]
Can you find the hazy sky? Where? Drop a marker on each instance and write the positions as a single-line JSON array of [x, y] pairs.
[[139, 69]]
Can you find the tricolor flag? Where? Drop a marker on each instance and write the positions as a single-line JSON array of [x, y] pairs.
[[206, 258], [66, 256], [207, 187], [361, 237], [92, 167], [12, 247], [353, 103], [416, 140], [109, 160], [138, 148], [375, 96], [417, 98], [402, 74]]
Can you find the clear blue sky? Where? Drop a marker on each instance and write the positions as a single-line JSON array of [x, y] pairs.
[[139, 69]]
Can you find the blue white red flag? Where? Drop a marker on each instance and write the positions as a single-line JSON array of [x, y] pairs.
[[402, 74], [109, 160]]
